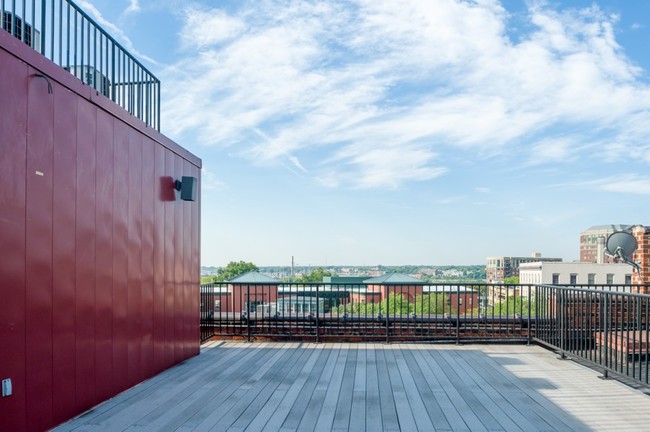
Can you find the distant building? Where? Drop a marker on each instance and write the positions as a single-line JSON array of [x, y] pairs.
[[575, 273], [500, 267], [592, 242]]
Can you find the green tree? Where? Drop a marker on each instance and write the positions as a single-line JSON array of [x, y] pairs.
[[514, 280], [433, 304], [234, 269], [315, 276], [514, 305]]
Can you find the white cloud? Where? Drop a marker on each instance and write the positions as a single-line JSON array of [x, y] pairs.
[[483, 190], [209, 181], [384, 89], [113, 29], [629, 183], [203, 28], [133, 7]]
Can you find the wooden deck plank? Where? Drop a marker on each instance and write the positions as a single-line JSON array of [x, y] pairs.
[[313, 408], [420, 413], [530, 402], [404, 413], [172, 420], [373, 402], [432, 359], [155, 400], [349, 387], [358, 413], [470, 391], [209, 396], [497, 403], [260, 390], [388, 409], [280, 414], [333, 389], [295, 415], [344, 403], [434, 410]]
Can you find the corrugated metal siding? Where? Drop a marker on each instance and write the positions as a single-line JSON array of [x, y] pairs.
[[100, 271]]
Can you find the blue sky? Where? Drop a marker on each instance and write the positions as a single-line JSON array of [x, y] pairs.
[[413, 132]]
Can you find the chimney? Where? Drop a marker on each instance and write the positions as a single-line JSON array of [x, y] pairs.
[[642, 257], [600, 252]]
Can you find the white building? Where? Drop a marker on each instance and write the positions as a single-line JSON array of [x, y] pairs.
[[575, 273]]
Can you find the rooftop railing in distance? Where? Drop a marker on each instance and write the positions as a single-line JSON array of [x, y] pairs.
[[395, 312], [66, 35]]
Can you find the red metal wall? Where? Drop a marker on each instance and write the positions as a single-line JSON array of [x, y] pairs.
[[99, 274]]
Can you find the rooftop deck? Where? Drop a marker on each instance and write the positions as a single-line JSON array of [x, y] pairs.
[[294, 386]]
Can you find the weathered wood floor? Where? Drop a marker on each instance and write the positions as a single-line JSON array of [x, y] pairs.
[[236, 386]]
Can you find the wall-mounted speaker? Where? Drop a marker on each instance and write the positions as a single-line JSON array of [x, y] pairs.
[[187, 186]]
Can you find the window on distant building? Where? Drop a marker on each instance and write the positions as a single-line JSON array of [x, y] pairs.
[[573, 278], [610, 279], [217, 305], [556, 278], [628, 279], [591, 278]]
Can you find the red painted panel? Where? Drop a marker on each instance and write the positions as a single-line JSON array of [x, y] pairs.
[[120, 250], [13, 106], [187, 266], [105, 257], [64, 259], [134, 197], [85, 253], [159, 260], [196, 255], [39, 179], [170, 234], [104, 191], [179, 301], [148, 197]]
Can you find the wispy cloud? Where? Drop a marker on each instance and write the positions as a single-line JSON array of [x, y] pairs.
[[133, 7], [386, 90], [628, 183], [483, 190], [113, 29]]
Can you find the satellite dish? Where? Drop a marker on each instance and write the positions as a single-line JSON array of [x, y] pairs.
[[621, 245]]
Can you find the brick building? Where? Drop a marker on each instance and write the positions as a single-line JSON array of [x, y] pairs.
[[592, 242], [500, 267]]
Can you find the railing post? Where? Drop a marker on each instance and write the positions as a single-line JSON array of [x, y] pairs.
[[457, 314], [387, 311], [562, 323], [317, 315], [43, 32], [606, 333], [248, 311], [529, 329]]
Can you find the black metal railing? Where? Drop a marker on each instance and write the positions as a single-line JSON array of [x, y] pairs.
[[395, 312], [65, 34], [605, 328]]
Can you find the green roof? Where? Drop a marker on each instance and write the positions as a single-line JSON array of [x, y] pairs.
[[393, 278], [254, 277]]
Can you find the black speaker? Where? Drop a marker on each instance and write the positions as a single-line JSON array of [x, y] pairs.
[[188, 188]]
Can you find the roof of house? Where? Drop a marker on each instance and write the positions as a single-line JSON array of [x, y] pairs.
[[254, 277], [393, 278]]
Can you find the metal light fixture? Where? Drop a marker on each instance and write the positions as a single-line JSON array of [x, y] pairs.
[[187, 188]]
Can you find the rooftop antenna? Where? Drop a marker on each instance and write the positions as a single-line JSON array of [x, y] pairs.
[[620, 246]]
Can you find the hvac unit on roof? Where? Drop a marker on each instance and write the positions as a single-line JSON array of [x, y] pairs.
[[92, 77], [31, 37]]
